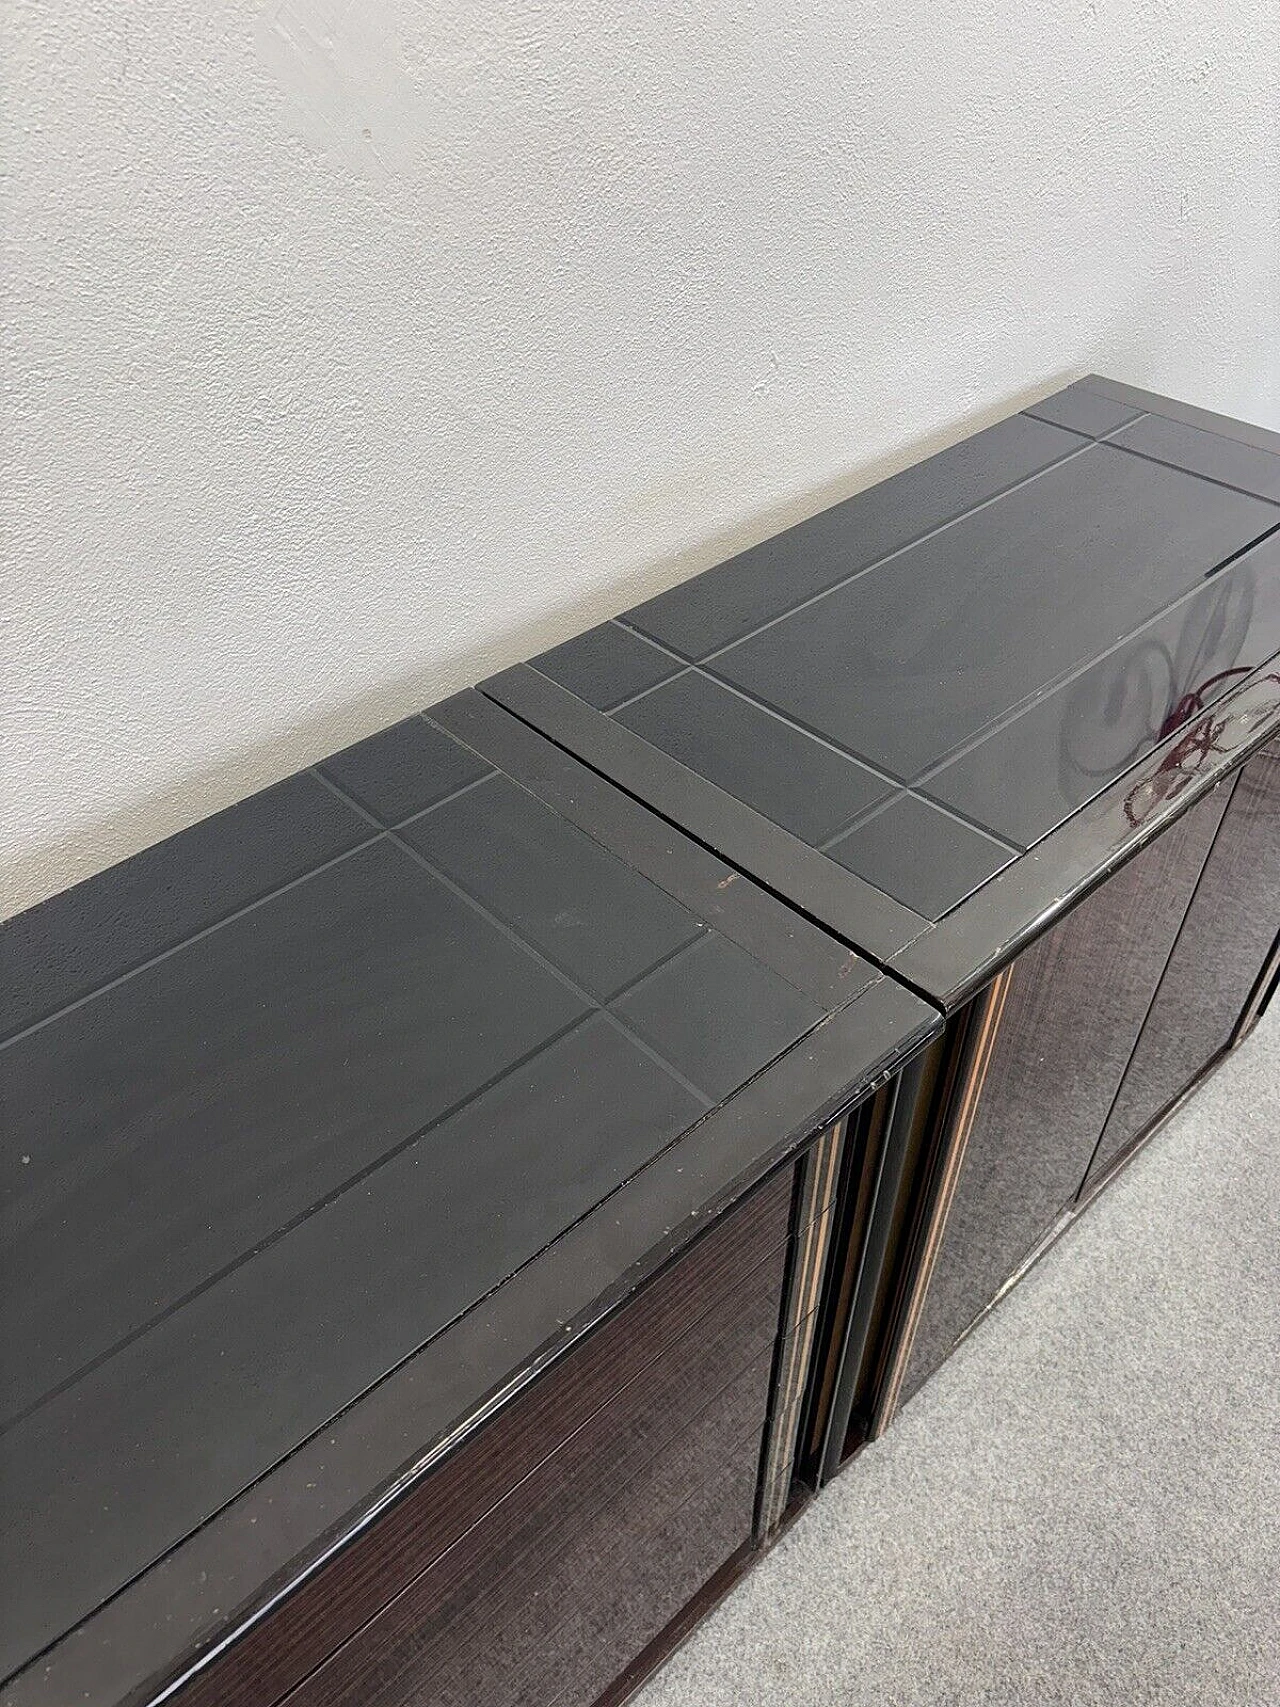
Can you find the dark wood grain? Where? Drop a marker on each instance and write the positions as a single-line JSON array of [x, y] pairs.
[[1076, 1004], [678, 1629], [729, 1278], [816, 1209], [1224, 942], [664, 1573], [556, 1574]]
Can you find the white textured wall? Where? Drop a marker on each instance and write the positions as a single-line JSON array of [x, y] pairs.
[[359, 349]]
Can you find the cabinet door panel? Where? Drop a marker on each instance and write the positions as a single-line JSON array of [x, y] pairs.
[[1075, 1004], [509, 1626], [1225, 941], [626, 1389]]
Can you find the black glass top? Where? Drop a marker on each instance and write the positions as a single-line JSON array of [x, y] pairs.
[[914, 687], [288, 1094]]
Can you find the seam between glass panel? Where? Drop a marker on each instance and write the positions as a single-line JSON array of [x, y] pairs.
[[698, 666], [1196, 473], [536, 954], [593, 1007], [866, 569], [315, 772], [1063, 681], [916, 784], [198, 935], [261, 1246]]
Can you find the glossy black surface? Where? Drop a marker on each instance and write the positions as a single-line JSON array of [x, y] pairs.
[[1003, 632], [403, 770], [261, 1170], [930, 860], [1226, 940], [1030, 776], [81, 940], [1074, 1008], [959, 954], [598, 920], [1216, 458], [716, 1012], [735, 598], [909, 661]]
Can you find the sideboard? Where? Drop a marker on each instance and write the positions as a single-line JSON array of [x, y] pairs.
[[463, 1201]]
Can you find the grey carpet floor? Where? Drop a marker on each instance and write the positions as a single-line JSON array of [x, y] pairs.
[[1081, 1507]]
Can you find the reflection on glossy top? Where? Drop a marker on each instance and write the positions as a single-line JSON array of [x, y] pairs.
[[923, 681], [957, 956], [288, 1093]]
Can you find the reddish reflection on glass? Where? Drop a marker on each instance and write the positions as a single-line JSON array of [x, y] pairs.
[[1215, 734]]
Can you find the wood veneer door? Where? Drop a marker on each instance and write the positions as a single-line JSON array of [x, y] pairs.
[[1226, 944], [544, 1536], [1057, 1030]]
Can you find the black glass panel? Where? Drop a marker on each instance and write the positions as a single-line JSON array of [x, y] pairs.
[[172, 1122], [908, 661], [1083, 411], [606, 665], [1075, 1004], [1225, 941], [135, 1454], [925, 857], [595, 917], [735, 597], [1210, 454], [773, 766], [713, 1011], [1027, 777], [99, 930], [403, 769]]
